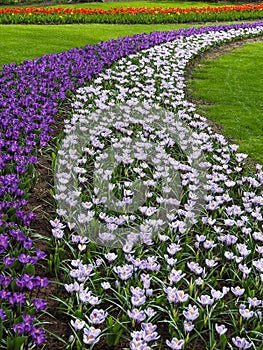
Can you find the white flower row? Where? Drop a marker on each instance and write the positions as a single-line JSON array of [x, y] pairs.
[[135, 118]]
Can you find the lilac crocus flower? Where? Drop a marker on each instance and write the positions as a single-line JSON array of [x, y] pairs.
[[205, 299], [124, 272], [254, 301], [258, 265], [175, 344], [246, 313], [176, 275], [241, 343], [91, 335], [237, 291], [192, 313], [149, 332], [221, 329], [97, 316], [138, 300], [188, 326], [136, 315], [77, 324]]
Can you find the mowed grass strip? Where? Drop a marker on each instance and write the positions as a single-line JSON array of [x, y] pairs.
[[151, 4], [231, 88], [23, 42]]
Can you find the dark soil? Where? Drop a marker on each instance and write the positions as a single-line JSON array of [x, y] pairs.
[[42, 203]]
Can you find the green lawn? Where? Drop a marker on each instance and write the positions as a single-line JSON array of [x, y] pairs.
[[22, 42], [107, 5], [232, 85]]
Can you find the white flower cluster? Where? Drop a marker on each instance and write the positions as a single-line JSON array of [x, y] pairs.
[[133, 124]]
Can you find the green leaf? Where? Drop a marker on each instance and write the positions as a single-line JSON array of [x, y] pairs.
[[15, 343], [30, 269], [223, 341], [1, 330]]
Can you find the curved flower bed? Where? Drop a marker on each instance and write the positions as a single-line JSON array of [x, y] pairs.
[[183, 287], [29, 98], [40, 15]]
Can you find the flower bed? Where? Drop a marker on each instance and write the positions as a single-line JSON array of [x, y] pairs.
[[182, 286], [30, 95], [40, 15]]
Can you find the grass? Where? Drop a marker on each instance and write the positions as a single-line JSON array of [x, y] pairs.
[[108, 5], [231, 87], [22, 42], [164, 4]]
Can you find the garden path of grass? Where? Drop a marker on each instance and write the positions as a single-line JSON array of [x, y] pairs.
[[231, 89], [108, 5], [22, 42], [164, 4]]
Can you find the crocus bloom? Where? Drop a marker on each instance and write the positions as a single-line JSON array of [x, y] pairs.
[[221, 329], [246, 313], [136, 315], [2, 314], [188, 326], [237, 291], [241, 343], [90, 335], [192, 313], [98, 316], [77, 324], [175, 344], [205, 300]]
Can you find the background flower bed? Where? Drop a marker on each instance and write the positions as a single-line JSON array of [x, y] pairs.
[[130, 15]]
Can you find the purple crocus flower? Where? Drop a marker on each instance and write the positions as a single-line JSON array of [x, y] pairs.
[[38, 335], [19, 328], [40, 304], [8, 261], [17, 298], [5, 294], [241, 343], [41, 282], [2, 314]]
